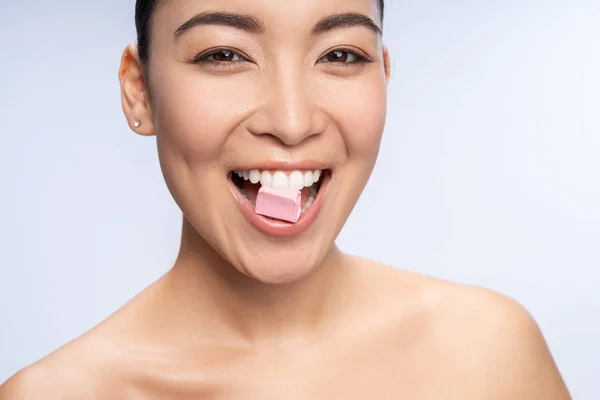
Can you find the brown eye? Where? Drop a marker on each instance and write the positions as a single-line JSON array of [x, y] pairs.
[[342, 56], [337, 56], [224, 55], [220, 56]]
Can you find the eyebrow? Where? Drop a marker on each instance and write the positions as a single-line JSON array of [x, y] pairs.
[[345, 20], [246, 23], [251, 24]]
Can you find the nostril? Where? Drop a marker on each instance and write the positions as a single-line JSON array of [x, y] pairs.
[[287, 127]]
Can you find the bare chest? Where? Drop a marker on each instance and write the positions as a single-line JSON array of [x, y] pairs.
[[374, 372]]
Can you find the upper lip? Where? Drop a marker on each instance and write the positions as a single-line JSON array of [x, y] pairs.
[[305, 165]]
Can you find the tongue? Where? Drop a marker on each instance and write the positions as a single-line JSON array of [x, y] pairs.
[[252, 189]]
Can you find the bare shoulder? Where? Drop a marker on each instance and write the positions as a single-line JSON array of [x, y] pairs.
[[499, 341], [487, 337], [74, 371], [29, 383], [38, 381], [97, 365]]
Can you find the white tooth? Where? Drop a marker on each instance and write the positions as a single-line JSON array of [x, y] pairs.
[[280, 180], [266, 179], [246, 175], [296, 180], [308, 179], [254, 176], [316, 175], [238, 173], [246, 196], [312, 195], [309, 203]]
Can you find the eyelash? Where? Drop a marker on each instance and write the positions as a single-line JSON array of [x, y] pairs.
[[205, 58]]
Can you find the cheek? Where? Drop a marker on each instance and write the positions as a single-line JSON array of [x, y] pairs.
[[194, 115], [361, 111]]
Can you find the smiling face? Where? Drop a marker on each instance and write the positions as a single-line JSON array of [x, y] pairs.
[[274, 91]]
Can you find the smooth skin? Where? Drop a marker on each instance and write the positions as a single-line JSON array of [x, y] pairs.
[[242, 315]]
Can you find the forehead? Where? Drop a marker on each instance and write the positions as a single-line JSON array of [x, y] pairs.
[[288, 14]]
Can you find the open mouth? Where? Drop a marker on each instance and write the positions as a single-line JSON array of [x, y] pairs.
[[307, 182]]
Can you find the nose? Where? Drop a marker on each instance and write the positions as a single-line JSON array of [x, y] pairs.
[[290, 108]]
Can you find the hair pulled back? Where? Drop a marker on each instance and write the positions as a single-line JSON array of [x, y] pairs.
[[145, 9]]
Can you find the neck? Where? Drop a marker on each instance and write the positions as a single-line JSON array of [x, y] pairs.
[[215, 293]]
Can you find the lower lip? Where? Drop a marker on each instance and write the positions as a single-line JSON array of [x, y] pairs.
[[281, 228]]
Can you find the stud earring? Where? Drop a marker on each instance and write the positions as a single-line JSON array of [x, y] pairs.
[[137, 123]]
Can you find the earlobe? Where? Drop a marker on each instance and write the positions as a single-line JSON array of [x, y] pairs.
[[133, 93]]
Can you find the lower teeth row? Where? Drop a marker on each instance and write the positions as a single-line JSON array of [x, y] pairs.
[[312, 195]]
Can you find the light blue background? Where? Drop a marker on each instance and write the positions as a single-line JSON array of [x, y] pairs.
[[488, 174]]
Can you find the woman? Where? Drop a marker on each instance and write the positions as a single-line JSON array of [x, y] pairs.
[[257, 98]]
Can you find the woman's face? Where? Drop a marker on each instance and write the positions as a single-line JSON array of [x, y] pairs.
[[265, 88]]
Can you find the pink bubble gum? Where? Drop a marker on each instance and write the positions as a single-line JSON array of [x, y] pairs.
[[283, 204]]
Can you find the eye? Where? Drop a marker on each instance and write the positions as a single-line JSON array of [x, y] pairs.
[[220, 56], [343, 57]]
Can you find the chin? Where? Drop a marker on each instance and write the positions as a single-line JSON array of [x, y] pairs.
[[280, 267]]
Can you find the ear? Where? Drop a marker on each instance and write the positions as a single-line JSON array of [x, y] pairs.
[[387, 63], [134, 94]]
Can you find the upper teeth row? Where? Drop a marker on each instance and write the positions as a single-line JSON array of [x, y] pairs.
[[280, 180]]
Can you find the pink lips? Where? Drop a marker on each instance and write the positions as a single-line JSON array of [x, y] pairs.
[[273, 227]]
